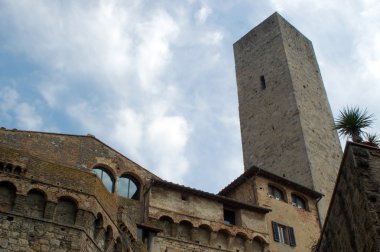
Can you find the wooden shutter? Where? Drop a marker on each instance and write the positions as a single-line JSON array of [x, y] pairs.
[[276, 235], [292, 238]]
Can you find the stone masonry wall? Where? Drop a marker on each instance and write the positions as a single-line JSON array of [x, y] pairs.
[[50, 207], [321, 141], [26, 234], [81, 152], [271, 131], [353, 221], [286, 121]]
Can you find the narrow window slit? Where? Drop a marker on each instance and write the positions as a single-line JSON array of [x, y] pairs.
[[263, 84]]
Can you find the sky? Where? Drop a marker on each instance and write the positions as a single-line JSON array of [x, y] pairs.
[[156, 79]]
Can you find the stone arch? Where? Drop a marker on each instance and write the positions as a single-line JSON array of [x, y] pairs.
[[260, 238], [66, 210], [259, 243], [108, 237], [222, 238], [166, 223], [118, 245], [17, 170], [240, 241], [98, 224], [129, 186], [203, 234], [36, 201], [184, 230], [7, 195], [8, 167]]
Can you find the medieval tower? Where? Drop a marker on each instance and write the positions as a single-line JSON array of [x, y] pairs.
[[286, 121]]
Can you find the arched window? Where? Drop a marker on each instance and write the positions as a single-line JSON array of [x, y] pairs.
[[166, 224], [129, 187], [98, 225], [118, 246], [298, 202], [108, 237], [203, 234], [66, 211], [36, 203], [105, 176], [276, 193], [7, 195], [184, 230]]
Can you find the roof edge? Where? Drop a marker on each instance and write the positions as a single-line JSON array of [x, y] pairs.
[[256, 171], [222, 199]]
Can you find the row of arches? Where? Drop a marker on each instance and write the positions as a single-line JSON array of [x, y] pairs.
[[128, 186], [204, 235], [65, 209], [65, 212], [11, 168]]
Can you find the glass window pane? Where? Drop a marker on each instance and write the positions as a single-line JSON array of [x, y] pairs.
[[107, 181], [128, 188], [104, 177], [132, 190], [123, 187], [97, 172]]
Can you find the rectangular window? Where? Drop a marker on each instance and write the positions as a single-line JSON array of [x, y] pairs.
[[263, 84], [283, 234], [229, 217]]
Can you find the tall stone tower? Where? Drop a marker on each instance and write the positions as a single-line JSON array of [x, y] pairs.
[[285, 118]]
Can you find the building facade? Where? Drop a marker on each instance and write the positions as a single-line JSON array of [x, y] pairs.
[[61, 192]]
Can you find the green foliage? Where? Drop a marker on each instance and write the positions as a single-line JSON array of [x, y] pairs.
[[352, 121], [373, 138]]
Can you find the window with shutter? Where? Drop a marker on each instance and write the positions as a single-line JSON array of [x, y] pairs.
[[283, 234], [276, 235], [292, 238]]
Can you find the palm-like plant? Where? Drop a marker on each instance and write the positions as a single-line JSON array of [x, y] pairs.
[[352, 121], [373, 138]]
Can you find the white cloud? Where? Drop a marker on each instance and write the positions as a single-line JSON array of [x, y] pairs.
[[128, 129], [212, 38], [203, 13], [166, 140], [8, 99], [27, 117], [52, 92], [153, 53]]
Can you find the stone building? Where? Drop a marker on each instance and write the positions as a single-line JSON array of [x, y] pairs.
[[353, 220], [61, 192]]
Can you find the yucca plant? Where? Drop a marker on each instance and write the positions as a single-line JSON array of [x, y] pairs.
[[352, 121], [372, 138]]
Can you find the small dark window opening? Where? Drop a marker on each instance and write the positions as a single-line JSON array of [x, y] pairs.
[[184, 197], [263, 84], [229, 217]]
